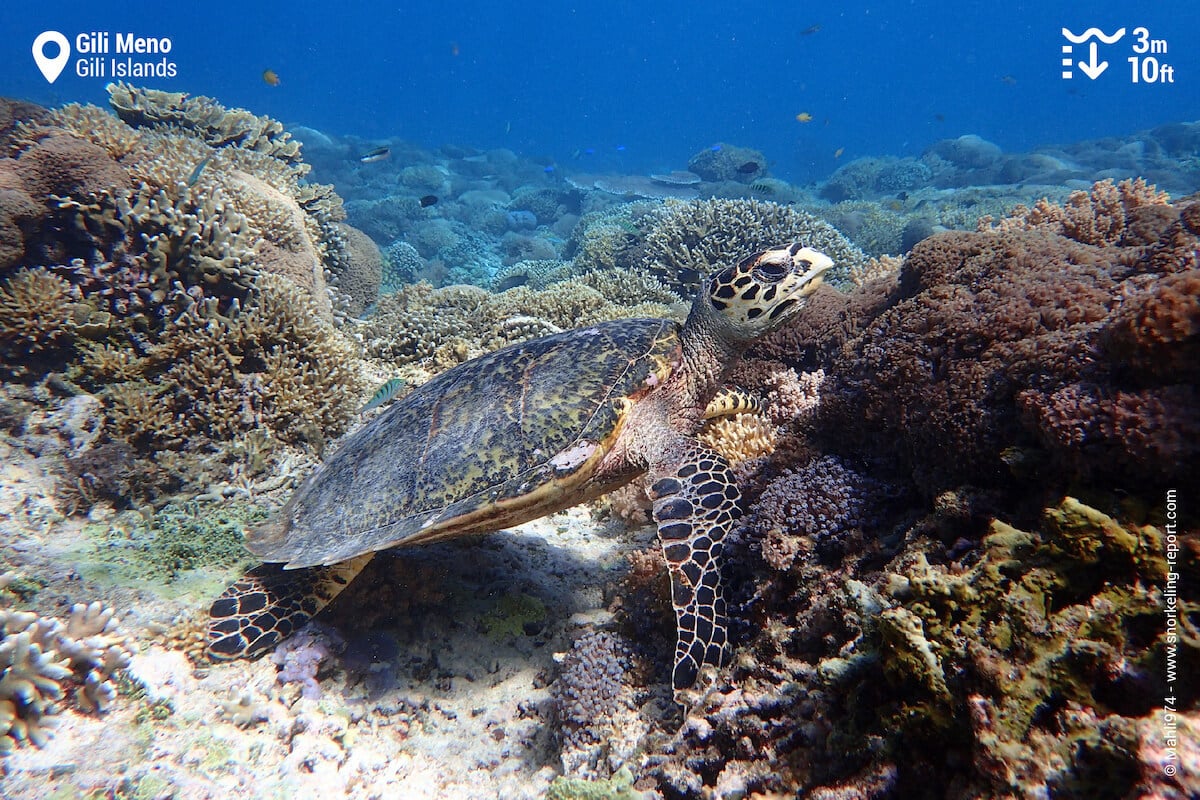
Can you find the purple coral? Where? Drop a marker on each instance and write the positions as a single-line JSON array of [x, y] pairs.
[[300, 657], [825, 500]]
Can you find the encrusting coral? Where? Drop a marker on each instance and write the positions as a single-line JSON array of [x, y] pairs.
[[1030, 666]]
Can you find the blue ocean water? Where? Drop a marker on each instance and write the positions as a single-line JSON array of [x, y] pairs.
[[631, 86]]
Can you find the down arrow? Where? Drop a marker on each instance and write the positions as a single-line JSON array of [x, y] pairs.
[[1092, 69]]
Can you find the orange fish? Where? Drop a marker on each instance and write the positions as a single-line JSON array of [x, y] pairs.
[[804, 116], [838, 153], [270, 77]]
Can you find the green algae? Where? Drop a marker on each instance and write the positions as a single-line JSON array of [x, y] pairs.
[[514, 615], [618, 787], [178, 539]]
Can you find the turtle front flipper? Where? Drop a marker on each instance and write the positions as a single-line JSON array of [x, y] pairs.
[[695, 504], [269, 604]]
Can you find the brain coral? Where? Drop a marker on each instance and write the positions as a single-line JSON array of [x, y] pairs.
[[690, 239], [1033, 341]]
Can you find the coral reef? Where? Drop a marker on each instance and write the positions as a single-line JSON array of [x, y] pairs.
[[442, 327], [208, 385], [178, 538], [204, 117], [726, 162], [358, 275], [300, 658], [1020, 342], [1030, 666]]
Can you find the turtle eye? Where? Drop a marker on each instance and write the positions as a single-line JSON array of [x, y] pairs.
[[769, 272]]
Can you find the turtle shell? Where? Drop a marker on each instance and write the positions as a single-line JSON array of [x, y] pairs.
[[499, 440]]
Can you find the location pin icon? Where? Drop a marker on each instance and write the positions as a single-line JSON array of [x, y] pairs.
[[51, 67]]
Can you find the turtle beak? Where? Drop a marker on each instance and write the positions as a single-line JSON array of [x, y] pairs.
[[808, 269]]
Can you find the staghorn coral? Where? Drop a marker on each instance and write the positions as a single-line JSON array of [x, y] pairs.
[[206, 382], [38, 310], [689, 240], [45, 662], [178, 237], [204, 117]]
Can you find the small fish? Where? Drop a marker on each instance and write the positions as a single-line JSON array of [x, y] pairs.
[[716, 148], [378, 154], [749, 167], [804, 116], [548, 169], [271, 77], [195, 176], [384, 394], [1009, 80], [762, 188], [454, 49], [428, 200], [620, 148], [838, 153], [810, 30], [940, 117]]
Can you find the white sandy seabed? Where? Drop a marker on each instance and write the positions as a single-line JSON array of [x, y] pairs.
[[460, 708]]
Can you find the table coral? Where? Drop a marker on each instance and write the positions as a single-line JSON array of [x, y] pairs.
[[205, 117]]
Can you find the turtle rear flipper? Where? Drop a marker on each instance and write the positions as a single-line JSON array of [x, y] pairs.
[[269, 603], [695, 505]]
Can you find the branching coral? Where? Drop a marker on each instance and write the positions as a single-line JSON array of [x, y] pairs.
[[37, 314], [1103, 216], [44, 662], [274, 367]]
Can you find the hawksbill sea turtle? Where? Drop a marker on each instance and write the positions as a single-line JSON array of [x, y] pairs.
[[525, 431]]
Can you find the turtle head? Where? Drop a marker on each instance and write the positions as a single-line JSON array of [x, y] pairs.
[[762, 291]]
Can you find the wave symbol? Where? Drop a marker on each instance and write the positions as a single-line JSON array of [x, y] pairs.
[[1089, 33]]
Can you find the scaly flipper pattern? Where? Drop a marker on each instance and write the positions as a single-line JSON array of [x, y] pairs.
[[269, 604], [694, 508]]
